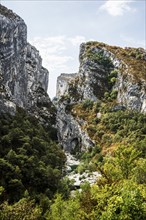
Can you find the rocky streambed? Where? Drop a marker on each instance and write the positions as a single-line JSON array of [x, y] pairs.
[[77, 177]]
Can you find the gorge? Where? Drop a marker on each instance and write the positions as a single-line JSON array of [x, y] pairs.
[[97, 119]]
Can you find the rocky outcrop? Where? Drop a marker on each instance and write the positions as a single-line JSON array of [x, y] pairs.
[[103, 69], [72, 138], [97, 60], [23, 80], [131, 94], [91, 82], [63, 83]]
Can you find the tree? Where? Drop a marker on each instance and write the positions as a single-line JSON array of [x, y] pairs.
[[24, 209]]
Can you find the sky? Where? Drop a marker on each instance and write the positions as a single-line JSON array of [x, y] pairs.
[[57, 28]]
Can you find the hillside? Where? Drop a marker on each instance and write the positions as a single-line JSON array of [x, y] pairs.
[[81, 156], [101, 122], [105, 76], [31, 162]]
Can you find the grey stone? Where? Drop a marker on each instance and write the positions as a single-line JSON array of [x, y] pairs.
[[91, 82], [23, 79]]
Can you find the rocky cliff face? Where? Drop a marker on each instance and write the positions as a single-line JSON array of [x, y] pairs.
[[105, 72], [23, 80], [70, 134]]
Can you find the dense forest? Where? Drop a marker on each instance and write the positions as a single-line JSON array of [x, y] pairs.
[[32, 167], [31, 162]]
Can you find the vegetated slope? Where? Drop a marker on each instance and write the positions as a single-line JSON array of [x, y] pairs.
[[109, 73], [103, 102], [134, 58], [31, 162], [98, 120], [119, 155]]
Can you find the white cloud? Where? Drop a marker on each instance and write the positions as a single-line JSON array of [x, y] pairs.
[[133, 42], [77, 40], [52, 51], [118, 7], [58, 54]]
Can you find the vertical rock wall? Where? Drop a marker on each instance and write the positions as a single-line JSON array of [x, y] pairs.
[[23, 80]]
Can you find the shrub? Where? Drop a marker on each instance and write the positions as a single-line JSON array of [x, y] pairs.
[[97, 105], [96, 150], [113, 80], [106, 95], [87, 104], [107, 139], [81, 168], [114, 73]]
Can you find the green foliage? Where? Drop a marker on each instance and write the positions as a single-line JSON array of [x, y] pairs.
[[128, 126], [114, 73], [31, 166], [132, 206], [99, 57], [113, 80], [139, 171], [81, 168], [113, 94], [120, 158], [24, 209], [119, 192], [97, 105], [64, 210], [116, 195], [125, 159], [30, 159], [106, 139], [87, 104]]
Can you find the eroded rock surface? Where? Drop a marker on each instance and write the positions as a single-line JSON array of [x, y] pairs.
[[23, 79], [96, 78]]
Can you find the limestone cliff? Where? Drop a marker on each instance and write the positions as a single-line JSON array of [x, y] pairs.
[[97, 60], [23, 80], [106, 72]]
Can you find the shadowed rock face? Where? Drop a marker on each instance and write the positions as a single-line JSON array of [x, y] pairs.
[[23, 80]]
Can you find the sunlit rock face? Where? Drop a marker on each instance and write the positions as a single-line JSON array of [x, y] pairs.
[[93, 81], [97, 60], [131, 93], [63, 83], [13, 50], [23, 80]]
